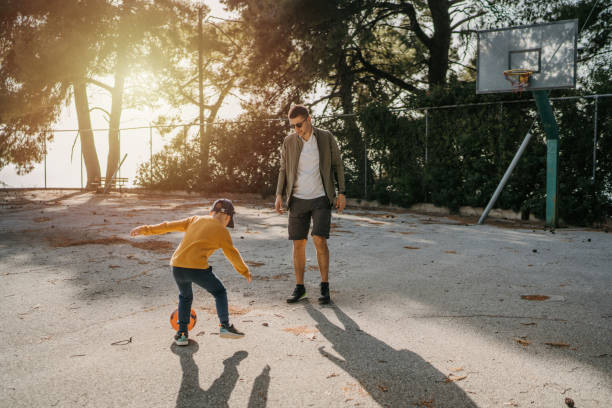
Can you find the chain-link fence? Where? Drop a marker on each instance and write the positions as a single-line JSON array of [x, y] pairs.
[[448, 155]]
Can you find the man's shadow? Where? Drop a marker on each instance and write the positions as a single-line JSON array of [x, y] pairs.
[[393, 378], [191, 395]]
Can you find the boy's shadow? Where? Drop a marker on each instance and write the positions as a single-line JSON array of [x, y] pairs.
[[191, 395], [391, 377]]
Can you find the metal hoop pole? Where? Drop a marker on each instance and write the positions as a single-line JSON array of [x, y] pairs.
[[426, 132], [150, 153], [595, 139], [45, 147], [505, 178]]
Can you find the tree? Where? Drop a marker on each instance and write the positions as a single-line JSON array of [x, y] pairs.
[[45, 48], [50, 47], [351, 52], [204, 66]]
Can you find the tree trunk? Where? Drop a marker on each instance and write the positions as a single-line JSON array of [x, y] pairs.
[[114, 148], [207, 132], [353, 134], [440, 42], [114, 124], [204, 132], [88, 147]]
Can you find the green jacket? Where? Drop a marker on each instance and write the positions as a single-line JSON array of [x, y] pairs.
[[330, 164]]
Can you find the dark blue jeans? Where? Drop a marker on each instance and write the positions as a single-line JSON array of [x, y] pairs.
[[205, 278]]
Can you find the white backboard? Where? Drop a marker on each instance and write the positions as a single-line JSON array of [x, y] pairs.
[[549, 50]]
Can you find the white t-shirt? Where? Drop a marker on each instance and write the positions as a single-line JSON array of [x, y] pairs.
[[309, 184]]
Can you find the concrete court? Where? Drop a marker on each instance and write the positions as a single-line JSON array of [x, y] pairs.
[[427, 311]]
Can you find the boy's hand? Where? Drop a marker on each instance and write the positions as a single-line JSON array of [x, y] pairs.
[[137, 231], [249, 278]]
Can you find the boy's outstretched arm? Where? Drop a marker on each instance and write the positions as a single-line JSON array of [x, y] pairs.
[[167, 226], [232, 254]]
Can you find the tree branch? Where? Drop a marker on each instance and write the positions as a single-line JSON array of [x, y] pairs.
[[100, 84], [460, 22], [385, 75], [411, 13], [463, 65]]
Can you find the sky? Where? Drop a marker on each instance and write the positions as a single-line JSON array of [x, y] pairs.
[[63, 164]]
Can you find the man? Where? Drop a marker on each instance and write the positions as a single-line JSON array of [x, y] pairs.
[[310, 165]]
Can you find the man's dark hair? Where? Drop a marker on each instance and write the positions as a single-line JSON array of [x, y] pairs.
[[298, 110]]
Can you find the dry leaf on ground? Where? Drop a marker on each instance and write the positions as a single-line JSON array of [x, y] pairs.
[[535, 297], [300, 330], [554, 344], [453, 378], [522, 342]]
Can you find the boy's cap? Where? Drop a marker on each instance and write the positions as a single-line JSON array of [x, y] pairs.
[[224, 206]]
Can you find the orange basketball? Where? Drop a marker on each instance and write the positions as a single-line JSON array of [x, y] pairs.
[[174, 320]]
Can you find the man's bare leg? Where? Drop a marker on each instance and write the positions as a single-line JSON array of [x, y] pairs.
[[323, 259], [320, 244], [299, 260], [299, 265]]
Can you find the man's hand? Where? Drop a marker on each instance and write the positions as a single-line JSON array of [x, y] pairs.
[[278, 204], [138, 230], [341, 202]]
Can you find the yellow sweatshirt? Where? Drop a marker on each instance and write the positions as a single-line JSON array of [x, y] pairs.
[[203, 236]]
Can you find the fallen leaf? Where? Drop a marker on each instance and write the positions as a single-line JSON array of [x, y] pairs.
[[453, 378], [522, 342], [450, 252], [300, 330], [535, 297], [554, 344], [456, 369], [383, 388], [332, 375], [411, 247], [254, 263], [529, 324]]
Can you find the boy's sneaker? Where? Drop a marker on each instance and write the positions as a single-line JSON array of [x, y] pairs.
[[324, 299], [230, 332], [299, 293], [181, 339]]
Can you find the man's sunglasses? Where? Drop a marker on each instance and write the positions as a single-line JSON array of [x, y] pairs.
[[298, 125]]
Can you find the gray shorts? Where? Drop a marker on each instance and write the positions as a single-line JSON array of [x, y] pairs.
[[302, 211]]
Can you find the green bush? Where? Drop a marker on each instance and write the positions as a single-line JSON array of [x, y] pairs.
[[459, 160]]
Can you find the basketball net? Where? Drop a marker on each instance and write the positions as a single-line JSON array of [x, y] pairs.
[[519, 79]]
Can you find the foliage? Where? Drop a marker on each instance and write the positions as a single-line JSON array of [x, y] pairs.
[[44, 45], [244, 157], [469, 149]]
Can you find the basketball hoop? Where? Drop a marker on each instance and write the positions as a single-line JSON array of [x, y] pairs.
[[519, 78]]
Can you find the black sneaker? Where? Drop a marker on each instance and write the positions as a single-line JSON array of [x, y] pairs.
[[299, 293], [181, 339], [324, 299], [229, 332]]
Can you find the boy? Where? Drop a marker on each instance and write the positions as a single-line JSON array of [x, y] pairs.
[[203, 235]]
